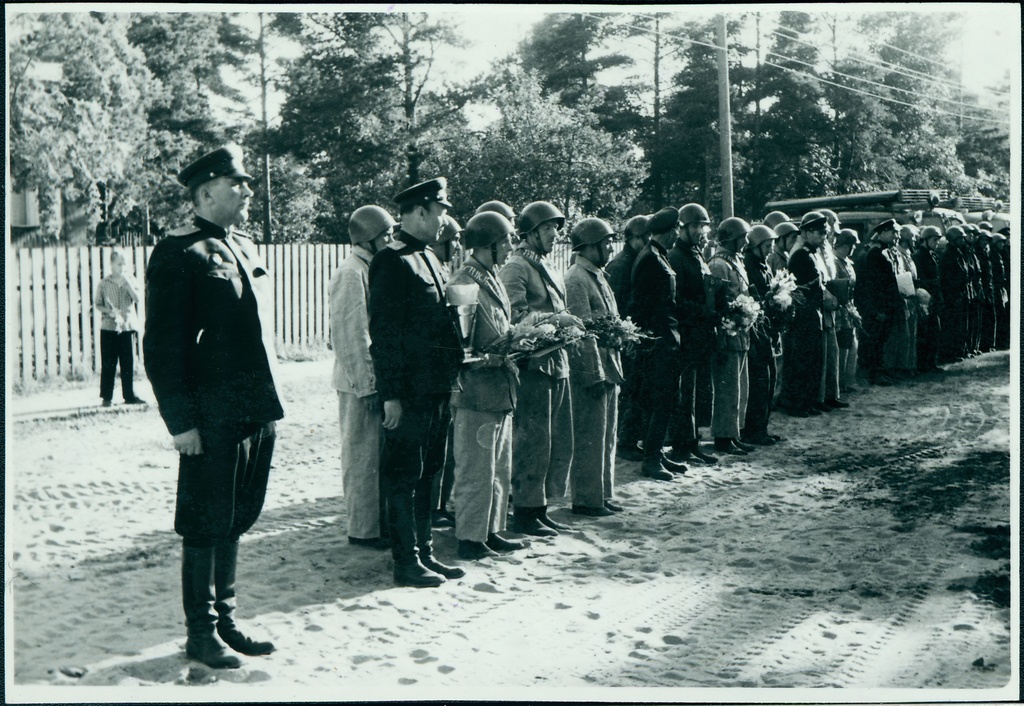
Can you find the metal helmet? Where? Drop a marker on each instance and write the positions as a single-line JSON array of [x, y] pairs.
[[486, 228], [930, 232], [847, 236], [773, 219], [589, 231], [637, 226], [785, 229], [449, 229], [830, 215], [760, 234], [367, 222], [953, 232], [693, 213], [732, 228], [538, 212], [497, 207]]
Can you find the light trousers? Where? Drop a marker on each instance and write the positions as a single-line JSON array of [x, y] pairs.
[[360, 419], [592, 472], [483, 472], [729, 375], [542, 439]]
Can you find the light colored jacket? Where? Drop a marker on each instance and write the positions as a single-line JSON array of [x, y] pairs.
[[589, 295], [731, 274], [535, 291], [350, 327]]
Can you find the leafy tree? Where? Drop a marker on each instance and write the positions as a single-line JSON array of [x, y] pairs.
[[542, 150], [83, 125]]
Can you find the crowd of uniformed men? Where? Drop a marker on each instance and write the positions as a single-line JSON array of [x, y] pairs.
[[423, 421], [480, 436]]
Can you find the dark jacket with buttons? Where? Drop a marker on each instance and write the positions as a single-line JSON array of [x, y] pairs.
[[413, 342], [209, 333], [653, 303]]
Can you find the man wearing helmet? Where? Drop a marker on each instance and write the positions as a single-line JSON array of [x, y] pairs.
[[482, 406], [729, 364], [416, 354], [596, 373], [763, 340], [901, 354], [878, 299], [359, 409], [542, 436], [955, 285], [929, 326], [697, 322], [619, 272]]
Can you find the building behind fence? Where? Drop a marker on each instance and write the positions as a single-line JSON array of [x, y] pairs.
[[53, 327]]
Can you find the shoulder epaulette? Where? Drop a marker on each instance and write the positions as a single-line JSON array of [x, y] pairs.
[[189, 229]]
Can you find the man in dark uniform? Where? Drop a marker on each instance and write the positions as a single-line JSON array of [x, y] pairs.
[[954, 281], [653, 308], [763, 341], [987, 301], [878, 300], [975, 292], [416, 355], [1001, 285], [805, 339], [619, 273], [209, 354], [697, 320], [929, 327]]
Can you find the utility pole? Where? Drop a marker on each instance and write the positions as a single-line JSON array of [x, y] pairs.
[[658, 188], [267, 236], [724, 119]]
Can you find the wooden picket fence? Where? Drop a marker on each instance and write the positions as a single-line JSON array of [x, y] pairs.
[[53, 328]]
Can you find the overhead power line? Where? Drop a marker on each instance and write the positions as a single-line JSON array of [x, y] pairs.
[[891, 88], [886, 65], [883, 98]]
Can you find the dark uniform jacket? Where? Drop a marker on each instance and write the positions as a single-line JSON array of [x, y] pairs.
[[696, 321], [652, 305], [954, 277], [413, 341], [759, 273], [806, 270], [983, 255], [877, 291], [209, 336], [927, 265], [620, 273]]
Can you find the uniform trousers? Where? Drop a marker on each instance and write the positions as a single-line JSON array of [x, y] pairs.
[[848, 348], [630, 423], [117, 348], [594, 417], [662, 365], [974, 326], [1002, 325], [730, 377], [829, 388], [683, 424], [361, 440], [761, 376], [482, 444], [988, 326], [872, 346], [542, 439], [896, 346], [221, 491], [929, 332], [413, 454], [954, 329], [805, 358]]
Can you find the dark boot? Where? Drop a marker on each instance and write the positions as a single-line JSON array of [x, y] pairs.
[[548, 522], [527, 521], [225, 562], [673, 465], [197, 598], [402, 528], [500, 544], [697, 453], [474, 551], [424, 541], [652, 468]]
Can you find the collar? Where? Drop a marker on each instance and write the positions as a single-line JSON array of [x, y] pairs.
[[657, 247], [411, 241], [472, 261], [204, 224], [589, 266]]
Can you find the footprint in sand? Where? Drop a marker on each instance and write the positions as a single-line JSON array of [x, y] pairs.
[[562, 606], [593, 616], [445, 669], [405, 681]]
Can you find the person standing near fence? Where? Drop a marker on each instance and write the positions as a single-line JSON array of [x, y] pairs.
[[416, 354], [359, 409], [209, 353], [116, 298]]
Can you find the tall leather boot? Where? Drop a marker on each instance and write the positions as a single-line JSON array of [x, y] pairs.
[[526, 520], [197, 598], [425, 541], [408, 569], [225, 561], [542, 515]]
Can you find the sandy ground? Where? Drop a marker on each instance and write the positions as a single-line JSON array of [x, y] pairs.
[[870, 551]]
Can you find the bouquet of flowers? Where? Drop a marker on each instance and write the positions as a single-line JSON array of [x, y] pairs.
[[924, 301], [855, 319], [615, 333], [534, 340], [740, 315]]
